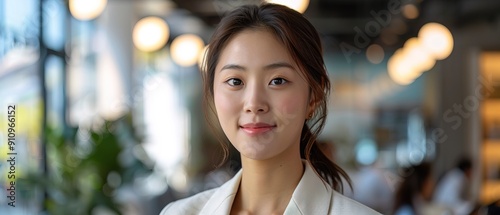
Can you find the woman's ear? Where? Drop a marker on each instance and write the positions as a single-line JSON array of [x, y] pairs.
[[313, 103]]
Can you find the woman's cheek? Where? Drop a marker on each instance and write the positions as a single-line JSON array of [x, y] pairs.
[[291, 109], [225, 104]]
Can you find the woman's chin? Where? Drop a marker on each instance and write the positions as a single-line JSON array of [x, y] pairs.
[[255, 155], [258, 154]]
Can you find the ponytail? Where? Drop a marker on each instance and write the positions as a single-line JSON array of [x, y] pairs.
[[329, 172]]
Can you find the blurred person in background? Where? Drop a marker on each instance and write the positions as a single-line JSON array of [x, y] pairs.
[[413, 196], [267, 87], [453, 189], [372, 186]]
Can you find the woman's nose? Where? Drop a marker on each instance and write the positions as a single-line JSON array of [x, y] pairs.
[[256, 100]]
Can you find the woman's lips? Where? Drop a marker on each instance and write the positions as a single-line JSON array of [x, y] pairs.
[[257, 128]]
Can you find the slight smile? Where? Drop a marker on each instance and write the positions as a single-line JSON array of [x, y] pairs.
[[257, 128]]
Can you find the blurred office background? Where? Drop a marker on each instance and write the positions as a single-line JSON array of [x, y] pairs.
[[109, 115]]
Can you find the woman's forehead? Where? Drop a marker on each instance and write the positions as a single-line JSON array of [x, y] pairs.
[[255, 47]]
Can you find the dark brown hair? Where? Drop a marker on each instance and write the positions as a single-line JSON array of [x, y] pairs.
[[303, 43]]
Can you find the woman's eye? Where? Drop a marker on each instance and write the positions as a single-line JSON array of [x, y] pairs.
[[278, 81], [234, 82]]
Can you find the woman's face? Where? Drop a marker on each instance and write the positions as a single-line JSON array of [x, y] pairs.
[[260, 97]]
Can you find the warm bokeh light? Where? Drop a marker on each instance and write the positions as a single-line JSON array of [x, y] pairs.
[[298, 5], [410, 11], [399, 69], [86, 9], [375, 53], [417, 55], [185, 49], [150, 34], [436, 39], [490, 66]]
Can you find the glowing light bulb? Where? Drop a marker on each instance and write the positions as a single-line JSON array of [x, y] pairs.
[[436, 39], [185, 49], [400, 71], [86, 9], [150, 34], [417, 55]]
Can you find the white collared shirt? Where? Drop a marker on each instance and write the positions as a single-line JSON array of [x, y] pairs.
[[311, 196]]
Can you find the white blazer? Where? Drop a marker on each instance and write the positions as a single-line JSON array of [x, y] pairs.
[[310, 197]]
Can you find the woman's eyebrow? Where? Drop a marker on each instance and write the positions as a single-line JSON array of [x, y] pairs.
[[232, 66], [279, 65], [267, 67]]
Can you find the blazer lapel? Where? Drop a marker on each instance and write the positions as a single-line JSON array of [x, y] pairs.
[[311, 196], [222, 199]]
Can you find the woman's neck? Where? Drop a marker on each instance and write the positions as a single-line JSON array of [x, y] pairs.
[[267, 185]]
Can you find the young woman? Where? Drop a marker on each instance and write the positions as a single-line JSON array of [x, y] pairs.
[[266, 83]]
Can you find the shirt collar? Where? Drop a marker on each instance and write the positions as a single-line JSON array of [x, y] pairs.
[[311, 196], [222, 199]]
